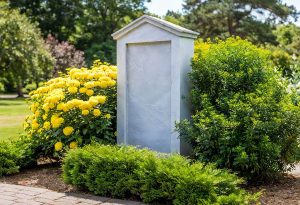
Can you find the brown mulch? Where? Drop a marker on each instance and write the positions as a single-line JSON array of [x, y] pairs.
[[44, 176], [284, 192]]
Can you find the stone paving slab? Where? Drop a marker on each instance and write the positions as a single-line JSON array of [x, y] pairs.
[[16, 194]]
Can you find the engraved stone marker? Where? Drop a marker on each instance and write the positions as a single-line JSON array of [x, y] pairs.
[[153, 58]]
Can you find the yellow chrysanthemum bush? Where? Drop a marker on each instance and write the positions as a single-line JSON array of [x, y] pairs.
[[74, 109]]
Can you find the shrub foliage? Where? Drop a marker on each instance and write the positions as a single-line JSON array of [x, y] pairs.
[[125, 172], [15, 155], [243, 116], [74, 110]]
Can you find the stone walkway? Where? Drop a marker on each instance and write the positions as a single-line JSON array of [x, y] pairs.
[[24, 195]]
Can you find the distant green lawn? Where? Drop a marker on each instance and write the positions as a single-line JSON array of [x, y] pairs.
[[12, 114]]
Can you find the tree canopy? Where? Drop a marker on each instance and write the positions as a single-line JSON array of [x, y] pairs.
[[288, 37], [88, 24], [23, 54], [245, 18]]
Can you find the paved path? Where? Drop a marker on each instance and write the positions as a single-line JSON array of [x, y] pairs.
[[24, 195], [11, 96]]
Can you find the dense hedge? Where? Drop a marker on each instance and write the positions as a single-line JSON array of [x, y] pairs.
[[244, 117], [15, 155], [126, 172]]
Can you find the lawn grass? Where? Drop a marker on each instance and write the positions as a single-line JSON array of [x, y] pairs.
[[12, 114]]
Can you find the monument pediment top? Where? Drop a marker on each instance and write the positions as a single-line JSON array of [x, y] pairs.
[[165, 25]]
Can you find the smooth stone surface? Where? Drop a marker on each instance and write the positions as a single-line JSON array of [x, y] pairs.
[[153, 58]]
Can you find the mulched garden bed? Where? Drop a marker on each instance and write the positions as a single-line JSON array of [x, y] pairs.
[[284, 192], [45, 176]]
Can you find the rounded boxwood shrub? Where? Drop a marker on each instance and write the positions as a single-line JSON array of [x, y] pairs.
[[127, 172], [243, 116], [73, 110]]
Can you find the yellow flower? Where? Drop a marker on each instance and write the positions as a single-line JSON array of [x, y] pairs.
[[103, 84], [101, 99], [82, 90], [89, 92], [97, 112], [51, 105], [60, 106], [45, 116], [74, 83], [111, 83], [72, 90], [93, 101], [58, 146], [113, 75], [56, 121], [34, 107], [46, 107], [107, 116], [66, 109], [37, 113], [85, 105], [68, 130], [105, 78], [73, 145], [90, 76], [35, 125], [89, 85], [47, 125], [85, 112]]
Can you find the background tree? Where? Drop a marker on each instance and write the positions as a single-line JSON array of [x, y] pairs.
[[23, 55], [65, 54], [288, 37], [175, 17], [57, 17], [88, 24], [224, 18]]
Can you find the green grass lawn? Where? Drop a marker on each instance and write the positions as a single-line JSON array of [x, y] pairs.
[[12, 114]]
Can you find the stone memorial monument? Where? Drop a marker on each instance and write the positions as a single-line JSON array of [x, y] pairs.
[[153, 58]]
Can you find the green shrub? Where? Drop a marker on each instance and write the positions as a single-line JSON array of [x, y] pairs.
[[15, 155], [8, 156], [243, 116], [127, 172]]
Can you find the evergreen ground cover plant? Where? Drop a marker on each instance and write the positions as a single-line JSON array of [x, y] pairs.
[[127, 172], [15, 155], [244, 118]]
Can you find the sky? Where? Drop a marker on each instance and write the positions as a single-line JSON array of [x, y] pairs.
[[160, 7]]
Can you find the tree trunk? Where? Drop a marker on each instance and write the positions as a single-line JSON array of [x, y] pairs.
[[20, 89]]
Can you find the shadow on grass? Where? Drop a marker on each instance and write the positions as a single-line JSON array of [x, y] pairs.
[[12, 101]]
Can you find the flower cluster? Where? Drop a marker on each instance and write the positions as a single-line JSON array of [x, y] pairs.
[[74, 109]]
